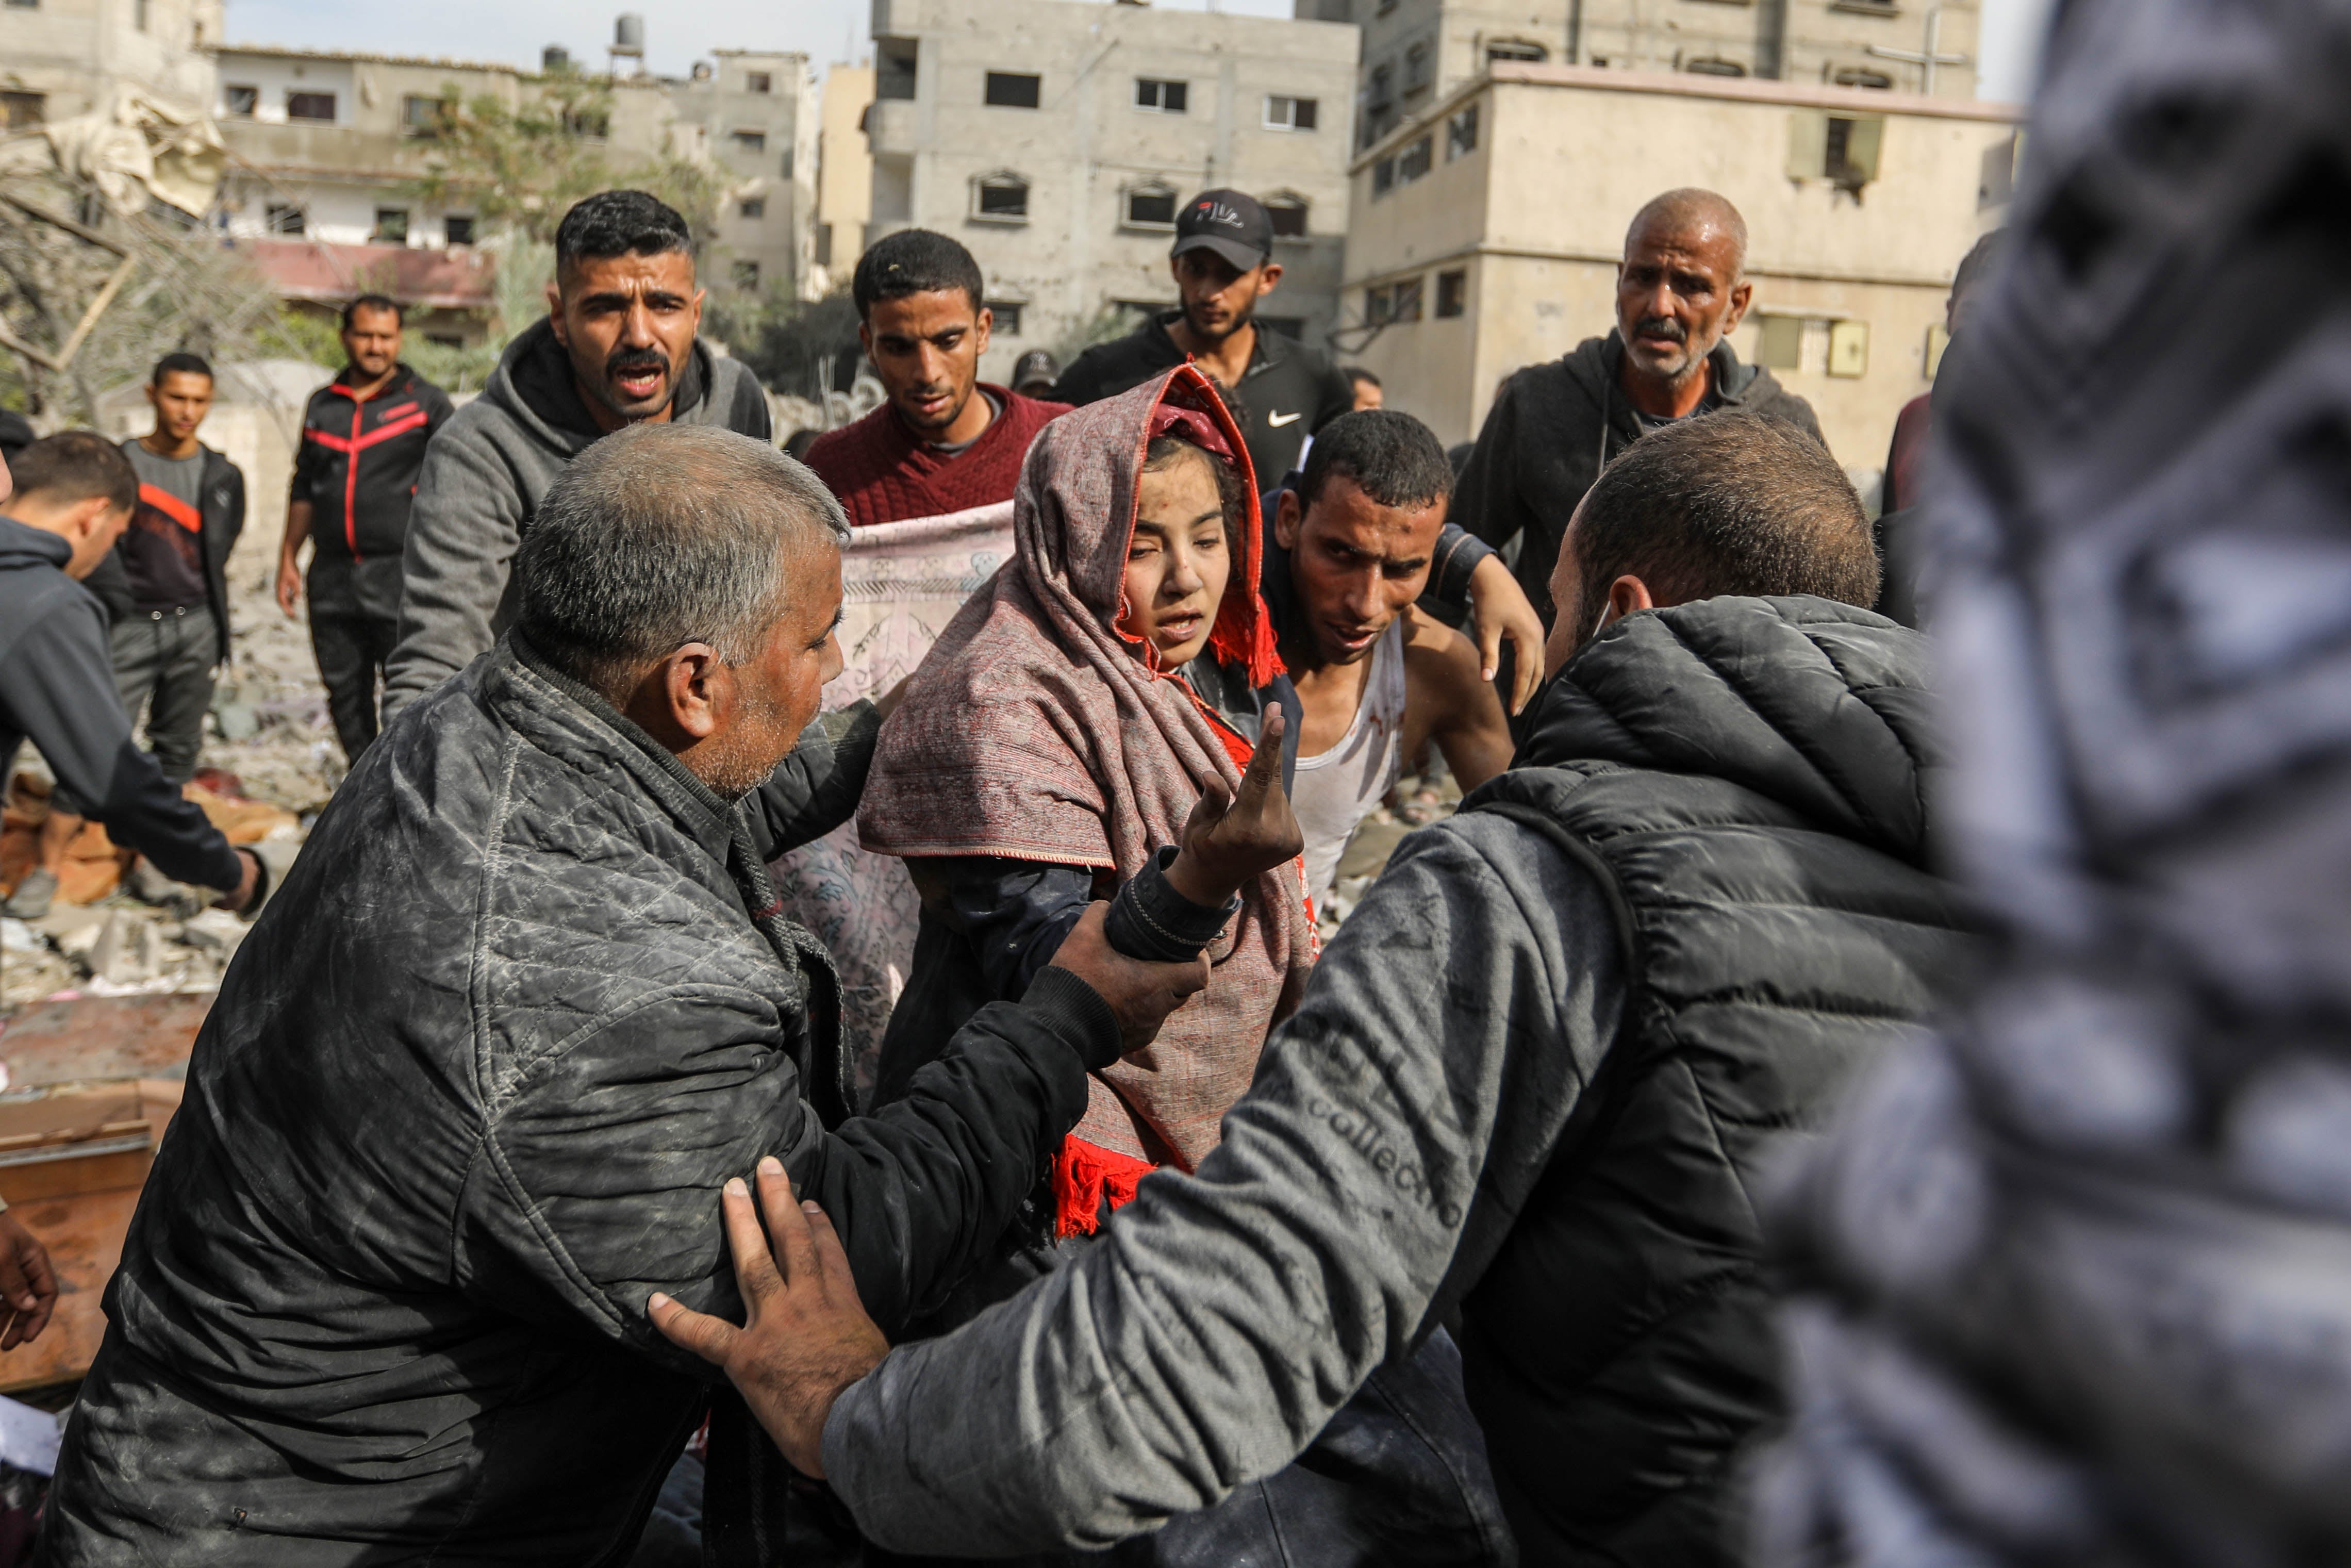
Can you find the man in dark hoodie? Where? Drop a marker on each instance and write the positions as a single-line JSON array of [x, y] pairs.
[[1681, 291], [74, 496], [618, 347], [1530, 1089]]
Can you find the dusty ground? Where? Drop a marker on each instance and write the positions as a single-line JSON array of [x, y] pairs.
[[268, 728]]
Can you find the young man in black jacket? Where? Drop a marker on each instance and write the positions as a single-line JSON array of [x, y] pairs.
[[363, 437], [527, 1001], [1223, 262], [74, 494], [166, 583]]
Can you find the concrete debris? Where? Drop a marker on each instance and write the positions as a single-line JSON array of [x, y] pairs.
[[15, 936]]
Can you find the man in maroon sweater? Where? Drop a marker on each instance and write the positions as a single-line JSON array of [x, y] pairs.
[[944, 441]]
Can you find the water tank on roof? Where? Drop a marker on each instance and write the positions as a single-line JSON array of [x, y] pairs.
[[628, 35], [554, 59]]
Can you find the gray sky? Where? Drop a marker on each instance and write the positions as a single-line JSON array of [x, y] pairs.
[[512, 31]]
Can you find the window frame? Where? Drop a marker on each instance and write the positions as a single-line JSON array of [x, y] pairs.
[[1461, 129], [469, 219], [1007, 313], [743, 273], [1422, 149], [759, 81], [377, 235], [275, 217], [229, 110], [751, 209], [334, 107], [1295, 125], [1452, 294], [1001, 180], [1166, 87], [1290, 202], [1036, 90], [748, 142], [1149, 190]]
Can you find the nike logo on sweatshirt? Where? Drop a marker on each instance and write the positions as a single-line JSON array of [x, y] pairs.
[[1277, 420]]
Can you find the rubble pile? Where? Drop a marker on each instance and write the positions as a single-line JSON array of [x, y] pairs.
[[270, 762]]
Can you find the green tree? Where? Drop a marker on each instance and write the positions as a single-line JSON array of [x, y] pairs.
[[522, 166]]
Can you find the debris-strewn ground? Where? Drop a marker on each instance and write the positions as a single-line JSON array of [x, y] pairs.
[[1414, 803], [268, 733]]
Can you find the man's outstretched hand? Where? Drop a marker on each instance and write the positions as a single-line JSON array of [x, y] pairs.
[[1141, 994], [1500, 607], [805, 1336], [1231, 838], [29, 1283]]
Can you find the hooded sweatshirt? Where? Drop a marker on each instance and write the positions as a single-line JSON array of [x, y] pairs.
[[57, 688], [1554, 427], [481, 481]]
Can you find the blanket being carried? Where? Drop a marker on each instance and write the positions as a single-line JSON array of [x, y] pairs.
[[1036, 730]]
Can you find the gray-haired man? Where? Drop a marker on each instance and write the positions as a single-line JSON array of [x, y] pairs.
[[475, 1080]]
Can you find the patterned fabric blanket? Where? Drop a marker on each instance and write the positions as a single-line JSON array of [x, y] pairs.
[[900, 583]]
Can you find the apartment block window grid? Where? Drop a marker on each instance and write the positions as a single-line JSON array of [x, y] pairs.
[[1150, 206], [1013, 89], [1416, 75], [1000, 198], [1453, 293], [1415, 159], [310, 106], [1162, 97], [1285, 113], [1843, 149], [284, 219], [1461, 133], [1387, 304]]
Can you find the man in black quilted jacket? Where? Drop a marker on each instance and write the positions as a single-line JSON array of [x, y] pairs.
[[474, 1082], [1532, 1083]]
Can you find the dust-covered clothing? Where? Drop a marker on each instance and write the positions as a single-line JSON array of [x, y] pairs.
[[468, 1096]]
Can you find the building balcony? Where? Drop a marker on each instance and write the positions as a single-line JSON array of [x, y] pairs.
[[889, 128]]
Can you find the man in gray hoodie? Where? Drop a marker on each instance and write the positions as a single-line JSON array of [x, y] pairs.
[[618, 347]]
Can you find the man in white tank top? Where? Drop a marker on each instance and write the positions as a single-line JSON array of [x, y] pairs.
[[1375, 677]]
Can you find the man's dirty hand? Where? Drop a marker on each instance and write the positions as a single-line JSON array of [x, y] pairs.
[[29, 1283], [248, 882], [1500, 607], [805, 1336], [1231, 838], [1141, 994]]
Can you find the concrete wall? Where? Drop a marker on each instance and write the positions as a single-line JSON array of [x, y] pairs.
[[77, 52], [1535, 217], [777, 178], [1087, 146], [1416, 51], [844, 196]]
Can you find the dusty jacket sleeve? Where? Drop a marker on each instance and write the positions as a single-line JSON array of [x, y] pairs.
[[817, 786], [599, 1179], [1398, 1120], [58, 686], [463, 531], [1485, 501]]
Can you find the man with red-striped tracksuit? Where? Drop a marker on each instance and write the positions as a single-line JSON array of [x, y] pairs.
[[363, 438]]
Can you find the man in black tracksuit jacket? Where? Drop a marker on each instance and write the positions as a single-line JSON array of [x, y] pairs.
[[1223, 262], [363, 438]]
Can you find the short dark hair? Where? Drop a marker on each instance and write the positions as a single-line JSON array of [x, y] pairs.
[[373, 302], [1392, 457], [661, 535], [1727, 503], [619, 223], [73, 465], [182, 361], [1358, 376], [913, 261]]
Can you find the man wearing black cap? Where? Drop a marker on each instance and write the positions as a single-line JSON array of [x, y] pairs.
[[1034, 374], [1223, 262]]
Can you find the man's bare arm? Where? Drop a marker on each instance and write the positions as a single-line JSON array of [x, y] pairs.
[[1449, 700]]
